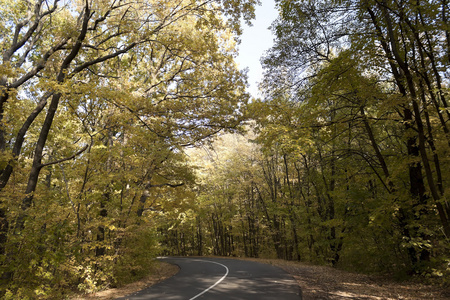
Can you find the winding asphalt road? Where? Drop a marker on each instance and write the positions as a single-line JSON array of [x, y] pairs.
[[220, 279]]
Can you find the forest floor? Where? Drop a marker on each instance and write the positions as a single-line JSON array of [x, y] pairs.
[[316, 282], [327, 283]]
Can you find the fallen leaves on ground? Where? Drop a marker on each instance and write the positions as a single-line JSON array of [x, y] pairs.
[[326, 283]]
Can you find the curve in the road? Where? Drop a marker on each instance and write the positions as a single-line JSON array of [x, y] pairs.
[[217, 282], [220, 279]]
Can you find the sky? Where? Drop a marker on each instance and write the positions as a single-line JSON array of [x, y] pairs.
[[254, 42]]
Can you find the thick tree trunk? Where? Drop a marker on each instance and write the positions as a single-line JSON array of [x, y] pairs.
[[46, 126], [6, 173]]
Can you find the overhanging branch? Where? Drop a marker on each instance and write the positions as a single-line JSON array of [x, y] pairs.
[[64, 159]]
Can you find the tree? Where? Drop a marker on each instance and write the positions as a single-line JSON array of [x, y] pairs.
[[97, 101], [370, 68]]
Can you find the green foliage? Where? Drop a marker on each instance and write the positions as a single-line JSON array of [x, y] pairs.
[[347, 160], [97, 103], [363, 84], [138, 249]]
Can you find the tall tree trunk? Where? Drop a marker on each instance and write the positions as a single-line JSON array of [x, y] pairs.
[[5, 174], [45, 129]]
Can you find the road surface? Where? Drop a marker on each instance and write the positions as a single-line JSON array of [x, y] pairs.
[[220, 279]]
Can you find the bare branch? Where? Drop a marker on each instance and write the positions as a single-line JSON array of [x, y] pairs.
[[65, 159]]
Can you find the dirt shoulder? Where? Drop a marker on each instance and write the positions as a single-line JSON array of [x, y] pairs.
[[316, 282], [320, 282]]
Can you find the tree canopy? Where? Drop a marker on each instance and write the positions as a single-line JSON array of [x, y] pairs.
[[97, 101], [349, 162]]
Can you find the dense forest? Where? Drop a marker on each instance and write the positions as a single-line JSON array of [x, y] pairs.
[[126, 132]]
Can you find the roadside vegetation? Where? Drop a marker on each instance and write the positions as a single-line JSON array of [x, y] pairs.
[[157, 272]]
